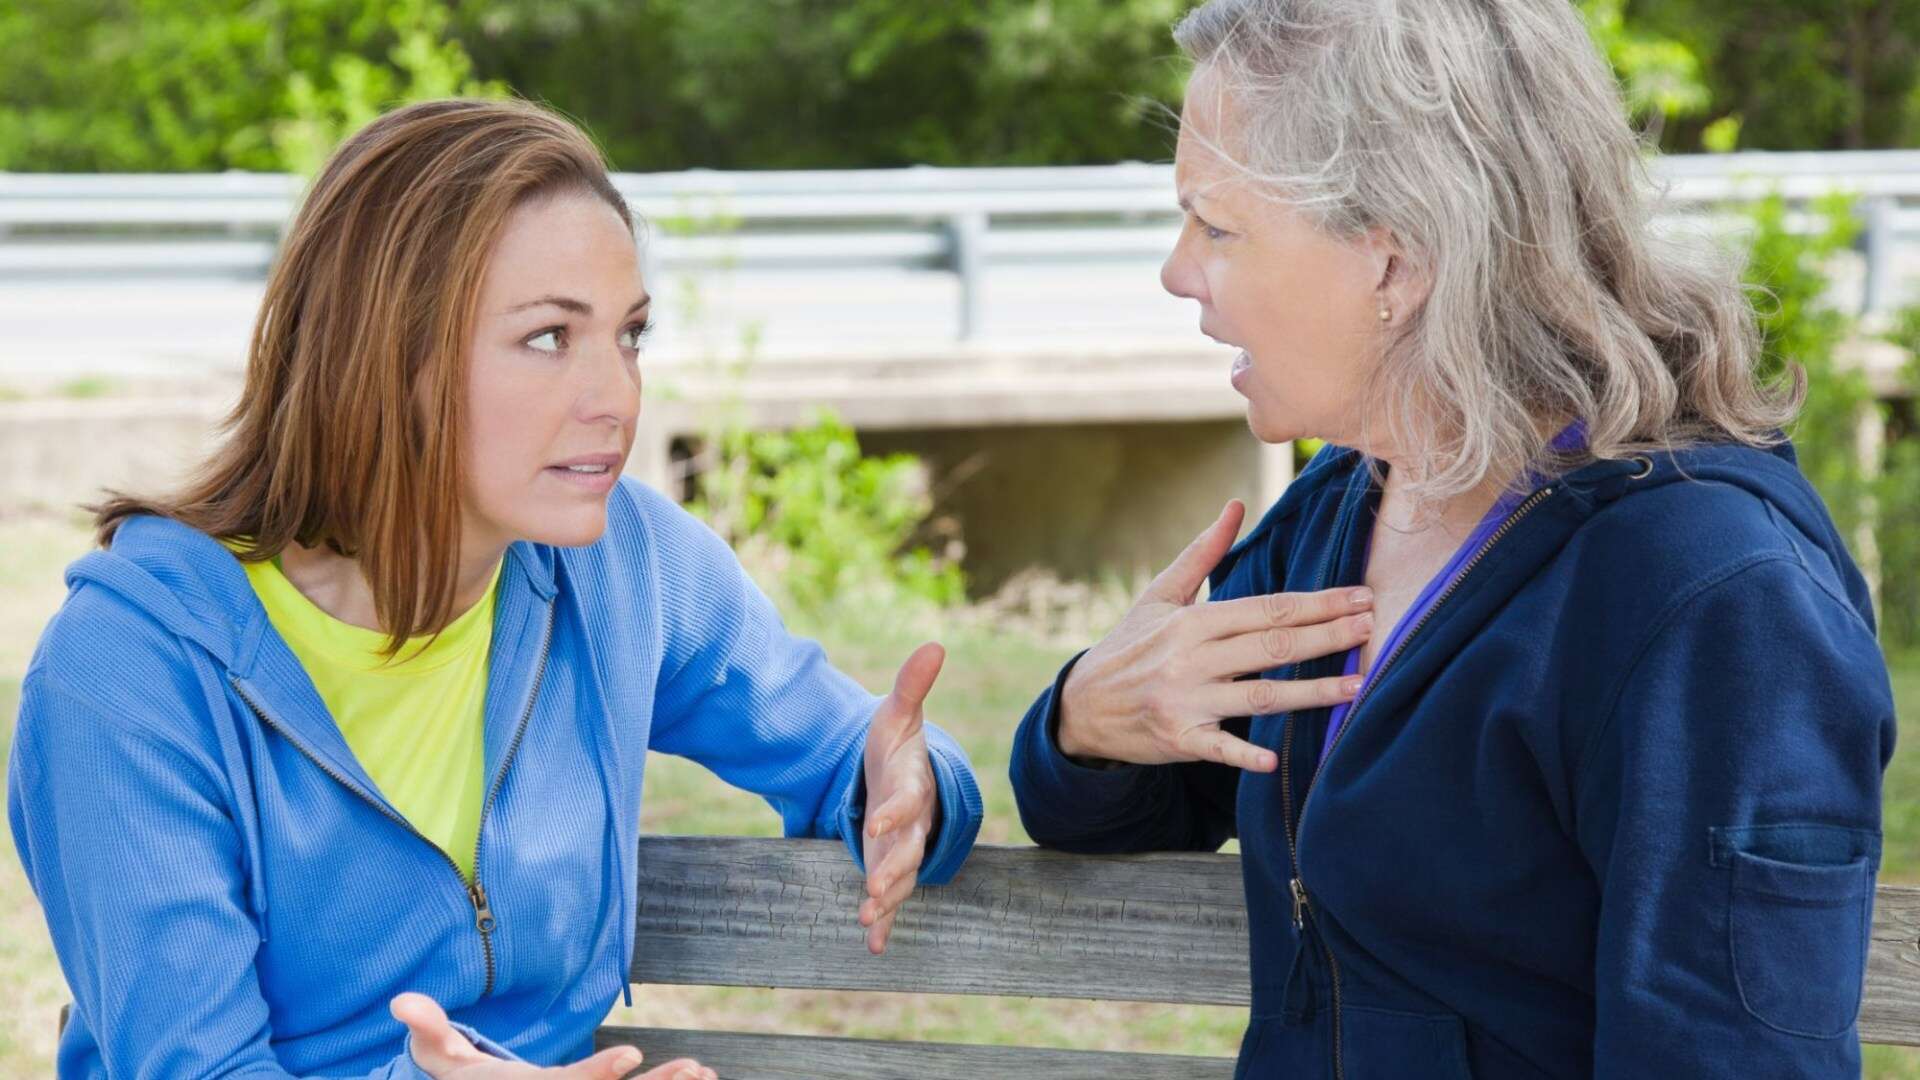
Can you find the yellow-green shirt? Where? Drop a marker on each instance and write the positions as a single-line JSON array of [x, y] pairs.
[[414, 724]]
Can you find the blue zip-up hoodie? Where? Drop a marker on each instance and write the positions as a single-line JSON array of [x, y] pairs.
[[1612, 810], [230, 895]]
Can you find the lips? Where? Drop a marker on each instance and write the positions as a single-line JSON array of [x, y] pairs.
[[589, 461], [594, 473]]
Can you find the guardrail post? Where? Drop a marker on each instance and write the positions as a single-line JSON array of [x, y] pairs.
[[1876, 297], [969, 232]]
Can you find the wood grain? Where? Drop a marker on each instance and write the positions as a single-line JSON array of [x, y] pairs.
[[785, 1057], [1168, 928]]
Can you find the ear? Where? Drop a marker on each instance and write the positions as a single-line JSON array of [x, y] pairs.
[[1398, 280]]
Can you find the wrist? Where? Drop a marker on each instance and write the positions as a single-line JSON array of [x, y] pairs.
[[1065, 737]]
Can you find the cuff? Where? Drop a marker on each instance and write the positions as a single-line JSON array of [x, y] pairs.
[[1081, 788], [481, 1042], [961, 811]]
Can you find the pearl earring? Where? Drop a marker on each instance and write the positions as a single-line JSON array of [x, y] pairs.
[[1385, 315]]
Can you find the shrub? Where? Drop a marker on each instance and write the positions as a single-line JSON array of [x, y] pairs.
[[832, 525]]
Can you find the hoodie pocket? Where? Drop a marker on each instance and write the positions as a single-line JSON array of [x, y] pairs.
[[1799, 913], [1385, 1044]]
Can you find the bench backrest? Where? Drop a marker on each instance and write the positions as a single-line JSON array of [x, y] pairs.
[[1166, 928]]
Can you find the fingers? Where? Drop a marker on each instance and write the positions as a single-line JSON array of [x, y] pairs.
[[1208, 742], [613, 1063], [900, 715], [436, 1047], [1263, 650], [915, 681], [1258, 697], [912, 800], [1230, 618], [892, 880], [680, 1069], [1181, 580], [877, 935]]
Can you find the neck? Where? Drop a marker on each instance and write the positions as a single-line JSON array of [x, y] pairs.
[[1456, 515], [338, 586]]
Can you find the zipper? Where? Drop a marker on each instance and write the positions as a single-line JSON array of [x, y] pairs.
[[281, 730], [483, 918], [1302, 901]]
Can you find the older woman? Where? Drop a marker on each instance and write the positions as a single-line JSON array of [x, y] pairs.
[[1565, 748]]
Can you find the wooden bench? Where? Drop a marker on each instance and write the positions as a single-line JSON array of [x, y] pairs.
[[1164, 928]]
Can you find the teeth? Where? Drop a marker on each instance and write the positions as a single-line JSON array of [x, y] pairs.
[[586, 468]]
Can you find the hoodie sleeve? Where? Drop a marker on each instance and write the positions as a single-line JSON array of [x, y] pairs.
[[1105, 809], [132, 852], [1729, 805], [765, 711]]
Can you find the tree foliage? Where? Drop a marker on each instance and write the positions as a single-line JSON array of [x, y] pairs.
[[166, 85]]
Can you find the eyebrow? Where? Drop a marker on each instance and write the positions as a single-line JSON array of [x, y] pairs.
[[578, 307]]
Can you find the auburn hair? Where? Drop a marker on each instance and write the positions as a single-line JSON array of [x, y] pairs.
[[349, 430]]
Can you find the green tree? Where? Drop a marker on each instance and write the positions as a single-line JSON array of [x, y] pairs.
[[205, 85], [1660, 77], [1802, 74], [844, 83]]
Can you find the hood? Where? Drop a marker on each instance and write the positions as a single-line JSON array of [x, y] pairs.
[[1771, 475]]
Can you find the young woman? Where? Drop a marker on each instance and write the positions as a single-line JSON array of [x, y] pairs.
[[352, 728], [1566, 756]]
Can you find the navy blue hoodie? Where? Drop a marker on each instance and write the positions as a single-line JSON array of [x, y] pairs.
[[1612, 810]]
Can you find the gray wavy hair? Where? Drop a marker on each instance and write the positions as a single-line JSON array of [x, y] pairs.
[[1489, 136]]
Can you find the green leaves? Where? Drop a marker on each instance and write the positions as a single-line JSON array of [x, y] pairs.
[[209, 85], [834, 526]]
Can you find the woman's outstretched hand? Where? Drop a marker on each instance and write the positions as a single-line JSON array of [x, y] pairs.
[[903, 802], [1156, 688], [445, 1054]]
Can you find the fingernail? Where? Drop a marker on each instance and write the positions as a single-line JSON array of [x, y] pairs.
[[629, 1060], [1361, 597], [1350, 686], [1364, 621]]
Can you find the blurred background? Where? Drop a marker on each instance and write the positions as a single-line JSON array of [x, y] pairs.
[[913, 359]]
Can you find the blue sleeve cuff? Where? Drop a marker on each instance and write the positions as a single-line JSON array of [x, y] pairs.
[[480, 1042], [961, 811]]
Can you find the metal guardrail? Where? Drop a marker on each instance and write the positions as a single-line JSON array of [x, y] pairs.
[[227, 225]]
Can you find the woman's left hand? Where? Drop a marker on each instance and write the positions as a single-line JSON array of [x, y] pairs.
[[903, 802]]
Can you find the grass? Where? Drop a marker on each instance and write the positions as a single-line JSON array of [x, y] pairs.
[[991, 675]]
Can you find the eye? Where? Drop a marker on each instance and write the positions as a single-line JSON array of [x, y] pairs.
[[635, 335], [1208, 230], [552, 339]]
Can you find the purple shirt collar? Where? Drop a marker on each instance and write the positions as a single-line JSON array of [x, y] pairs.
[[1572, 437]]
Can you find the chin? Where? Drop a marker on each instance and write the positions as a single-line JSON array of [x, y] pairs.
[[575, 529], [1269, 429]]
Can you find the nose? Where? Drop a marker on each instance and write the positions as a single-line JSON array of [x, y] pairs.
[[1180, 274], [612, 391]]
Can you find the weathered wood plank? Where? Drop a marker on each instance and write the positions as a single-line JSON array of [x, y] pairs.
[[1891, 1013], [726, 911], [730, 911], [738, 1056]]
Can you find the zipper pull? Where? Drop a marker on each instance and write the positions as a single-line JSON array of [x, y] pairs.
[[482, 914], [1299, 902]]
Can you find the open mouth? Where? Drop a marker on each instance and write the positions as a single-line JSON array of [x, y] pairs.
[[595, 472]]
